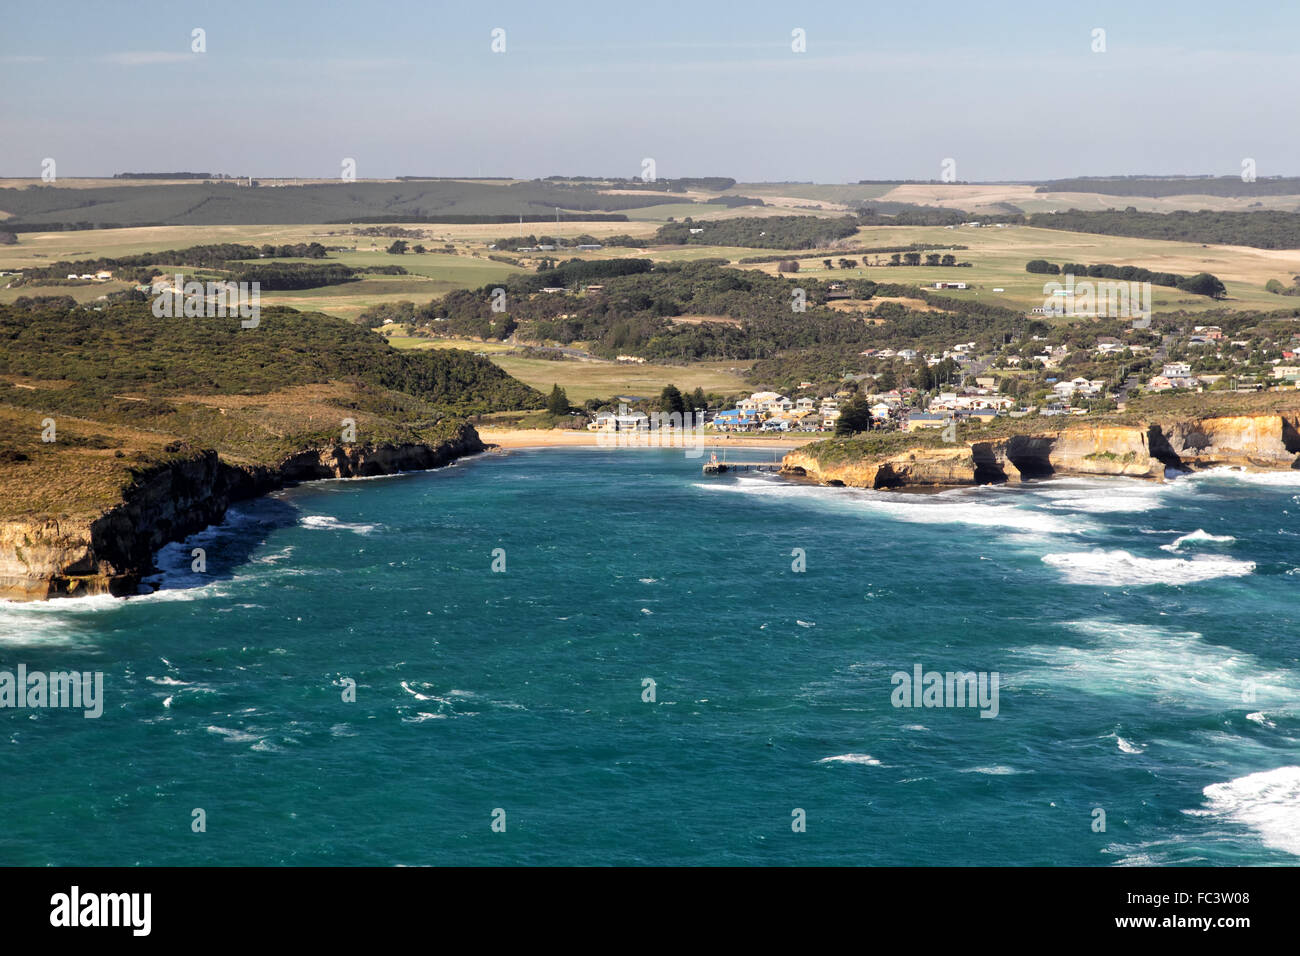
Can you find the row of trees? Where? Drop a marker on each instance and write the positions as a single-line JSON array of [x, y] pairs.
[[1203, 283]]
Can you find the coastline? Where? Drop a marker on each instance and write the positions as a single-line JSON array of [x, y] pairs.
[[43, 558], [507, 438]]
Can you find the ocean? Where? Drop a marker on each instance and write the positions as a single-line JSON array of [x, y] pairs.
[[600, 656]]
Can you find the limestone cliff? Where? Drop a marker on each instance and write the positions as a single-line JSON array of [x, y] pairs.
[[44, 557], [1254, 442]]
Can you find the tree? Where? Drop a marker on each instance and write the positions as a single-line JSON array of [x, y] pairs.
[[895, 259], [699, 401], [419, 250], [1204, 284], [922, 376], [912, 258], [397, 248], [855, 416], [671, 400], [827, 264], [932, 259], [949, 260], [1042, 267], [557, 403]]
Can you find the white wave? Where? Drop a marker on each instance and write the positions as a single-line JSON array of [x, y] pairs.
[[1282, 479], [1259, 717], [865, 760], [167, 702], [1120, 568], [276, 556], [415, 693], [648, 580], [168, 681], [1127, 747], [1104, 495], [1268, 802], [805, 623], [996, 770], [1141, 661], [1199, 535], [975, 507], [330, 523], [234, 736]]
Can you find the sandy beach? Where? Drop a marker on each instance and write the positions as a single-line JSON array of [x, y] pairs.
[[554, 438]]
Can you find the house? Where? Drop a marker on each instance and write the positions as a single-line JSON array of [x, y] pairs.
[[915, 420], [881, 411], [589, 246], [771, 403], [552, 289], [1288, 372], [804, 405], [736, 419], [950, 285], [1211, 332], [611, 422], [986, 381], [546, 248], [1176, 370], [695, 231]]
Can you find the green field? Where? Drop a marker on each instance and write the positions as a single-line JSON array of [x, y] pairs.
[[999, 257], [582, 380]]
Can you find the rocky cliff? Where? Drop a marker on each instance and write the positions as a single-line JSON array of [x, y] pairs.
[[1253, 442], [43, 557]]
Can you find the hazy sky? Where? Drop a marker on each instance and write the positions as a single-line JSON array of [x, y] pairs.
[[885, 90]]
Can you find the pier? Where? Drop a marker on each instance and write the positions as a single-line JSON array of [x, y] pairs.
[[715, 467]]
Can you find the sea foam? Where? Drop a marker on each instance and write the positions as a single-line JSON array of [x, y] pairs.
[[1268, 802], [1120, 568]]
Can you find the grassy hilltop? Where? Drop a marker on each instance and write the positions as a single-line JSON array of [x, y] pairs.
[[126, 390]]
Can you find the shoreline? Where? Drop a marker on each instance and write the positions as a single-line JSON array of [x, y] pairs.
[[507, 438]]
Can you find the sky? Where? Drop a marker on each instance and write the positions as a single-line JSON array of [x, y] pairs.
[[1007, 91]]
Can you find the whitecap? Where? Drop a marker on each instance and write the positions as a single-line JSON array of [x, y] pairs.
[[995, 770], [1267, 802], [968, 506], [1120, 568], [1137, 661], [865, 760], [1198, 536], [330, 523]]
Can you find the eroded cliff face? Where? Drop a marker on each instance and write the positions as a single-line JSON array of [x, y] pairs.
[[1261, 442], [43, 558]]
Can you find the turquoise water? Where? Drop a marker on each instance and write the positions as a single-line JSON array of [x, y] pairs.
[[1127, 661]]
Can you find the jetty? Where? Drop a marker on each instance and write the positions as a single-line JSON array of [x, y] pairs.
[[714, 466]]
